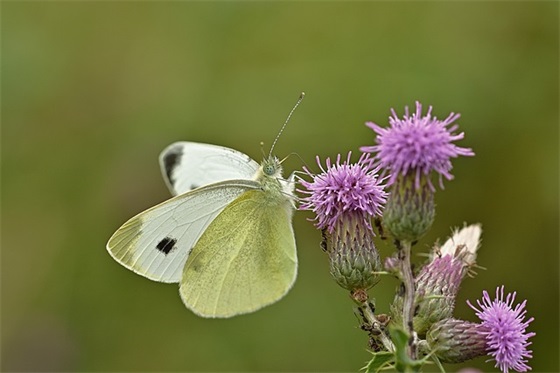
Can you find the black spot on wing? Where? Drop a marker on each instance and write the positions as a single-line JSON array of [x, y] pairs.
[[171, 160], [166, 245]]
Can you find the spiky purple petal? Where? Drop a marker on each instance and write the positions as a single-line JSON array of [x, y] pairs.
[[417, 145], [343, 189], [505, 330]]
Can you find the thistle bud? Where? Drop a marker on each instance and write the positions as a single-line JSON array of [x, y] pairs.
[[410, 211], [353, 258], [456, 341]]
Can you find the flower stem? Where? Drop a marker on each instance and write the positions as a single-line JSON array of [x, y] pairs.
[[409, 288], [375, 326]]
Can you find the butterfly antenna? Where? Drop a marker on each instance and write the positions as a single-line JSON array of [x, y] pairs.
[[297, 155], [301, 96]]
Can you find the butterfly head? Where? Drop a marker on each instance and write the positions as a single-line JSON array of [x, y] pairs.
[[269, 176], [271, 168]]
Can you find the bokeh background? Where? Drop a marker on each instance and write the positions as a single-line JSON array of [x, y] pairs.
[[93, 91]]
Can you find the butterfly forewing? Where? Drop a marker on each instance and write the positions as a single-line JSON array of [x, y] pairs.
[[245, 260], [157, 242], [189, 165]]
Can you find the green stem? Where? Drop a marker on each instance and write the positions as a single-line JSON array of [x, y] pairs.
[[377, 326], [408, 304]]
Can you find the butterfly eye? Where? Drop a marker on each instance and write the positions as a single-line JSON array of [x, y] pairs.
[[269, 170]]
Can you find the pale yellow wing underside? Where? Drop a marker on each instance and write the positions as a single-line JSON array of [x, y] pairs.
[[245, 260], [157, 242]]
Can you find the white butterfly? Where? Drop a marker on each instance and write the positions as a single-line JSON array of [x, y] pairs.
[[226, 236]]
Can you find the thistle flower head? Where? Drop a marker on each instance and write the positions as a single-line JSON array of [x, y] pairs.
[[505, 330], [344, 197], [417, 145], [344, 190]]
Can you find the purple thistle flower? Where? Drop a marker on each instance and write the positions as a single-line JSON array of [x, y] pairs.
[[417, 145], [504, 330], [344, 197], [344, 190]]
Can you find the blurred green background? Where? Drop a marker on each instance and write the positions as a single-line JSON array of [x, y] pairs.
[[93, 91]]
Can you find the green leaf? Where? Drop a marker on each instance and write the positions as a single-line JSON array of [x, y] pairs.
[[379, 361]]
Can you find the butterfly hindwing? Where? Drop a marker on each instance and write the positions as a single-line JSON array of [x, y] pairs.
[[157, 242], [189, 165], [245, 260]]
